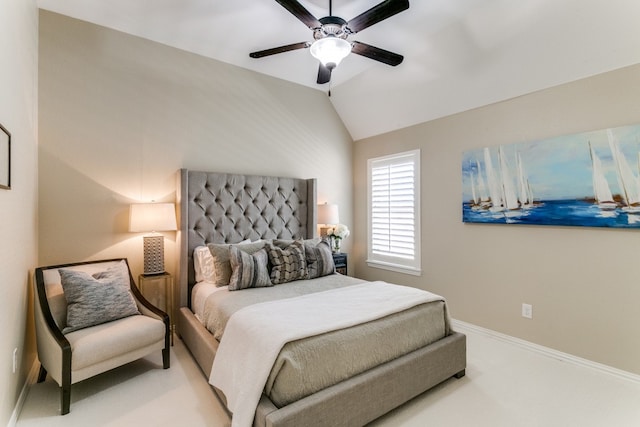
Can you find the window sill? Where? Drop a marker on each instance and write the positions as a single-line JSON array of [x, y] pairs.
[[394, 267]]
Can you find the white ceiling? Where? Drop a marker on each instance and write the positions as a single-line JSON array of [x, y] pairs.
[[459, 54]]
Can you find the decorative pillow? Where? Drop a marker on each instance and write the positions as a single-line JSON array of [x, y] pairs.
[[287, 264], [283, 243], [101, 298], [203, 263], [248, 270], [221, 264], [319, 259]]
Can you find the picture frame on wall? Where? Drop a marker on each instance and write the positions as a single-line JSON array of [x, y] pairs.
[[589, 179], [5, 158]]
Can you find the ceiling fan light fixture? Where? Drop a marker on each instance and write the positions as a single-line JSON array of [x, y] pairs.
[[330, 50]]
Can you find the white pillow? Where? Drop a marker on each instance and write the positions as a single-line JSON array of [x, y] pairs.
[[203, 263]]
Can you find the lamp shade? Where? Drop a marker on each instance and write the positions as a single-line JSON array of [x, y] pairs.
[[328, 214], [330, 50], [152, 217]]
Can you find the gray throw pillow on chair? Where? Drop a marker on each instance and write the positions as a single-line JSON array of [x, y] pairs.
[[101, 298]]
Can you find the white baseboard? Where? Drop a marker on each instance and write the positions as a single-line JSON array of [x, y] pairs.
[[461, 326], [31, 378]]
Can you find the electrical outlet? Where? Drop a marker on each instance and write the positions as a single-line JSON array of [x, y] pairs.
[[15, 359], [527, 311]]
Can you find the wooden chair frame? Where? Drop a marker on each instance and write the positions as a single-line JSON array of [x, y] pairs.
[[63, 343]]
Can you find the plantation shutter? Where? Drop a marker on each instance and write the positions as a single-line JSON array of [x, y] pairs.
[[394, 211]]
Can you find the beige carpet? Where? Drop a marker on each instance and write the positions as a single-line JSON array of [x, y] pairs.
[[505, 386], [138, 394]]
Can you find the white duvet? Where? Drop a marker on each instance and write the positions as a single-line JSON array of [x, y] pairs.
[[199, 295], [255, 334]]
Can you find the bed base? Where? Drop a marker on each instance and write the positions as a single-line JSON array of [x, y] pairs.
[[356, 401]]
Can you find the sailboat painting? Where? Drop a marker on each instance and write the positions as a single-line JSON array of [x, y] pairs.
[[590, 179]]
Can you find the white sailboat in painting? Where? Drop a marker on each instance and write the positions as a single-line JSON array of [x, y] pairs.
[[495, 193], [479, 193], [511, 204], [509, 195], [474, 196], [628, 182], [601, 190], [525, 195]]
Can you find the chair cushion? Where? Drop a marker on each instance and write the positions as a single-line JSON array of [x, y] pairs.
[[108, 340], [98, 298]]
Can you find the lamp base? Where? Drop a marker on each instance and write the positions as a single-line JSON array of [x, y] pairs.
[[153, 255], [324, 231]]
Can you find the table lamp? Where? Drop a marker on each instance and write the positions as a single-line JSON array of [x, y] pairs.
[[327, 217], [153, 217]]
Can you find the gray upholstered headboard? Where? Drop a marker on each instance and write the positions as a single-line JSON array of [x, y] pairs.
[[228, 208]]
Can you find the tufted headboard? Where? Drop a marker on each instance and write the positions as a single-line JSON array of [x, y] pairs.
[[228, 208]]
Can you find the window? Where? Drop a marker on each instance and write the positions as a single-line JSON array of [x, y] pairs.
[[394, 212]]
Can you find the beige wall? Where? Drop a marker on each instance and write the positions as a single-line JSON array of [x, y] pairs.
[[120, 115], [582, 282], [18, 206]]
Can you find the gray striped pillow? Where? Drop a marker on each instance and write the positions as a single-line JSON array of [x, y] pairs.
[[248, 270], [221, 265], [319, 260], [287, 264]]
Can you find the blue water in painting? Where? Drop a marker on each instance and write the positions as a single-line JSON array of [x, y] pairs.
[[556, 212]]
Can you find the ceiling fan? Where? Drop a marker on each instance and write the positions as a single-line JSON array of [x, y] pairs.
[[331, 32]]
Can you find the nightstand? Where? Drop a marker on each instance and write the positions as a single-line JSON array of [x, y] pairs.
[[340, 260], [158, 290]]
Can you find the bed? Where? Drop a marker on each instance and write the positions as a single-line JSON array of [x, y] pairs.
[[218, 209]]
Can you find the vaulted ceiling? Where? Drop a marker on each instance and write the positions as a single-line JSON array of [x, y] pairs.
[[458, 54]]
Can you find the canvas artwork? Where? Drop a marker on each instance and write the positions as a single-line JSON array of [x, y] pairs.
[[5, 158], [588, 179]]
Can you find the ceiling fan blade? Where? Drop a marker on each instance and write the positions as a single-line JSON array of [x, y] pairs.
[[376, 14], [301, 13], [324, 74], [280, 49], [376, 53]]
